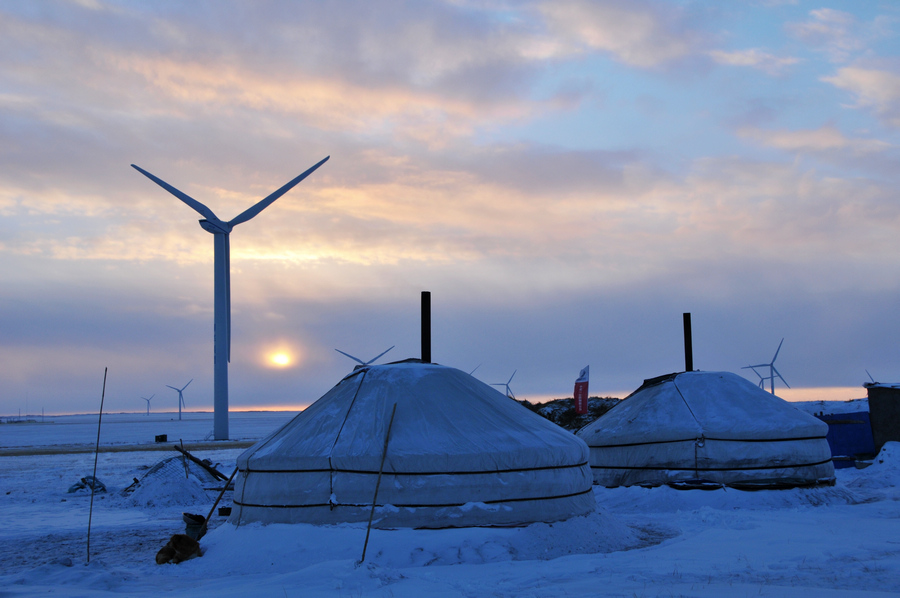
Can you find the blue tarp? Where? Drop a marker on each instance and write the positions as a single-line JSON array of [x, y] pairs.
[[849, 436]]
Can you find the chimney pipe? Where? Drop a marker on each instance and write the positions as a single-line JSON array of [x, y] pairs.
[[688, 345], [426, 326]]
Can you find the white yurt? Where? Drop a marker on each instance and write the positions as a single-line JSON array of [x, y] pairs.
[[459, 454], [707, 427]]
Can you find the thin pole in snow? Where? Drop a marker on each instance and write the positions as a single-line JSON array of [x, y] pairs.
[[387, 437], [94, 477]]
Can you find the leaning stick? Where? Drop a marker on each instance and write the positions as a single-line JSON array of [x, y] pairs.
[[212, 470], [183, 460], [218, 498], [387, 437], [94, 477]]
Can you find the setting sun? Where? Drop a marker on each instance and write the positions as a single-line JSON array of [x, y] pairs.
[[280, 359]]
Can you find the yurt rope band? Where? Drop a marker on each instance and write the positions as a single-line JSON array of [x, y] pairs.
[[341, 429], [414, 473], [415, 506], [707, 438], [786, 466]]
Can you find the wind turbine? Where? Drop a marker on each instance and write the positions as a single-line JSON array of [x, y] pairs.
[[222, 285], [772, 371], [509, 393], [362, 363], [148, 402], [181, 397]]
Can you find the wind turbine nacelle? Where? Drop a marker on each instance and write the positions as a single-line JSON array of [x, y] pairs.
[[216, 227]]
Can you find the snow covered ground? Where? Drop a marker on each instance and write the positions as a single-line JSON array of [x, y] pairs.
[[831, 541]]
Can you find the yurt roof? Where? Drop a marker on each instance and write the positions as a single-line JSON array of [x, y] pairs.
[[693, 404], [446, 421]]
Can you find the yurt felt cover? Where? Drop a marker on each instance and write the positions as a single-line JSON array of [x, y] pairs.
[[460, 454], [714, 426]]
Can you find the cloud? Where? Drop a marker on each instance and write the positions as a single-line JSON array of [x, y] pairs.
[[839, 34], [824, 139], [754, 58], [874, 88], [640, 34]]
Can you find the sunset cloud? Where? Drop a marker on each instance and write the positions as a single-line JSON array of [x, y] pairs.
[[638, 34], [876, 89], [754, 58], [813, 140], [566, 177]]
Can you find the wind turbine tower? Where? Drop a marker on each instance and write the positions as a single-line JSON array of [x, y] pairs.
[[222, 284], [181, 397], [148, 402], [772, 371], [509, 393]]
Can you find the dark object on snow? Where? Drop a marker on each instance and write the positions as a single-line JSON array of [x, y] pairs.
[[194, 525], [179, 548], [88, 482], [694, 484], [224, 511], [162, 437]]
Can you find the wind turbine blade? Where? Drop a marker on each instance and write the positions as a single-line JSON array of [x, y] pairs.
[[376, 358], [265, 203], [173, 388], [777, 350], [479, 365], [198, 207], [359, 361], [870, 377], [188, 384], [511, 377], [779, 375]]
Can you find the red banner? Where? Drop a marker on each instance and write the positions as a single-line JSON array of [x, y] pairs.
[[581, 391]]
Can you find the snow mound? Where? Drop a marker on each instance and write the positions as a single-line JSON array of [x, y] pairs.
[[884, 471], [159, 492], [637, 500], [172, 481], [594, 533], [888, 458]]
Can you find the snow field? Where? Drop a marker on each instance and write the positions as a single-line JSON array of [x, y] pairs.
[[828, 541]]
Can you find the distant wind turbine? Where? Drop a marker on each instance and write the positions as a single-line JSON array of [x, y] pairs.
[[222, 285], [364, 363], [772, 371], [148, 402], [181, 397], [509, 393]]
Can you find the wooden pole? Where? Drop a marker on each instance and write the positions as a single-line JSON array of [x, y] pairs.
[[183, 459], [212, 470], [218, 498], [387, 437], [94, 477]]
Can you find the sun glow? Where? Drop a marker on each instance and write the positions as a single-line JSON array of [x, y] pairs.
[[280, 359]]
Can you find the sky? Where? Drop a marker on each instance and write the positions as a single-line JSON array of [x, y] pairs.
[[566, 178]]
